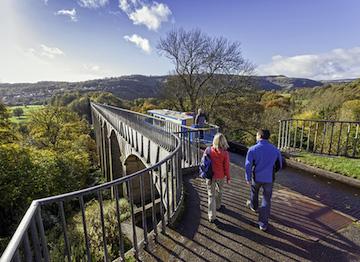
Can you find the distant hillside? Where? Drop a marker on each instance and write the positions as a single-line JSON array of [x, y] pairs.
[[279, 82], [125, 87]]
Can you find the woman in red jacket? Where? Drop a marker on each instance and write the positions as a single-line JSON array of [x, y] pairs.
[[220, 166]]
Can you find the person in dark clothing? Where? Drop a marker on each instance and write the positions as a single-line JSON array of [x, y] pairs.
[[200, 122], [262, 161]]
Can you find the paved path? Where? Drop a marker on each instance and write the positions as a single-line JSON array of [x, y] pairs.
[[311, 220]]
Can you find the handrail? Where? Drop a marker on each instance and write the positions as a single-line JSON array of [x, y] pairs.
[[19, 233], [12, 250], [212, 126], [106, 185], [327, 137], [320, 120]]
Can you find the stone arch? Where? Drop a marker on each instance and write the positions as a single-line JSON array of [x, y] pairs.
[[133, 164], [105, 150], [116, 165]]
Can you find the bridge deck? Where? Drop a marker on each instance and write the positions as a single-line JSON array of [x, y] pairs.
[[304, 223]]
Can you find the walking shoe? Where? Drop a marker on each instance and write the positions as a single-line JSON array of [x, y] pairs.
[[262, 226], [212, 220], [220, 208], [248, 204]]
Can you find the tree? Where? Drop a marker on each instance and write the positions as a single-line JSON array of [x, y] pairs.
[[350, 110], [6, 134], [18, 112], [57, 128], [4, 116], [206, 69]]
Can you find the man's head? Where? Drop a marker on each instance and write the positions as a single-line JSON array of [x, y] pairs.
[[262, 134], [199, 111]]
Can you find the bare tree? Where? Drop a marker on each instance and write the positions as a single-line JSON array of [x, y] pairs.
[[206, 68]]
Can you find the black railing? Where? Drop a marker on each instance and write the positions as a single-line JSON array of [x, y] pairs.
[[339, 138]]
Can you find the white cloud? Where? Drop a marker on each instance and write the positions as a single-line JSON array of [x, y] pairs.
[[91, 67], [50, 52], [92, 3], [139, 41], [151, 15], [69, 13], [336, 64]]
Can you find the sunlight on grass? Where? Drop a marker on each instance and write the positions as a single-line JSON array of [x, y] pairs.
[[27, 111], [342, 165]]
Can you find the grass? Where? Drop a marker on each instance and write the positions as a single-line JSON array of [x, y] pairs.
[[27, 111], [341, 165]]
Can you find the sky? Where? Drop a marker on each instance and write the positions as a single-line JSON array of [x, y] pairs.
[[75, 40]]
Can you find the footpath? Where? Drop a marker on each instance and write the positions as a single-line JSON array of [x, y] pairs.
[[312, 219]]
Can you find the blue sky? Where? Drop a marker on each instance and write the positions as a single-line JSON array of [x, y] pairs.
[[75, 40]]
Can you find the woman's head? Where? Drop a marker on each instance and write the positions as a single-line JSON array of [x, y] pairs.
[[220, 142]]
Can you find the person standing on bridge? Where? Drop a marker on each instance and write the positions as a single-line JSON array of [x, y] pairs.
[[200, 122], [262, 161], [220, 165]]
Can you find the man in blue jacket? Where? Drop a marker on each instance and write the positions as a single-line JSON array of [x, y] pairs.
[[262, 161]]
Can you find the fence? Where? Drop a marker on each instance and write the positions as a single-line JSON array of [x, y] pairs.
[[30, 241], [338, 138]]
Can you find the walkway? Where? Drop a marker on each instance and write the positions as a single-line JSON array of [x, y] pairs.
[[304, 225]]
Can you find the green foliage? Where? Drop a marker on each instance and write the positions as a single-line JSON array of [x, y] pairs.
[[55, 173], [18, 112], [27, 111], [4, 115], [328, 100], [350, 110], [54, 156], [307, 115], [15, 184], [341, 165], [142, 105], [80, 103], [6, 134], [95, 234], [57, 128]]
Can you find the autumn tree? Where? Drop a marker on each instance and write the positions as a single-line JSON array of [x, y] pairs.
[[206, 69]]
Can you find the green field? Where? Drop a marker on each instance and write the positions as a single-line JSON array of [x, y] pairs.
[[341, 165], [27, 111]]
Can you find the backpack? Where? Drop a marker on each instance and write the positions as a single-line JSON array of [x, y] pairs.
[[205, 168]]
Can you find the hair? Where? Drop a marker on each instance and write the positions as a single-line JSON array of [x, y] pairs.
[[264, 133], [220, 142]]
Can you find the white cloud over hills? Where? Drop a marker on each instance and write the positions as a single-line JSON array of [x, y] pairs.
[[151, 15], [70, 13], [337, 64], [140, 42]]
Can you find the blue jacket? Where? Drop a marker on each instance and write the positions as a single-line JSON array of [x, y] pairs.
[[262, 157]]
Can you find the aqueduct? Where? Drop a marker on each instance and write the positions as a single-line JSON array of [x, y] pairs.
[[142, 159]]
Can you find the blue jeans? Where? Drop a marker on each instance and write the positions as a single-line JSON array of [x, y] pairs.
[[264, 212]]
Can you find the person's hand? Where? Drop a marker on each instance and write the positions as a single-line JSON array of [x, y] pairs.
[[248, 182], [228, 180]]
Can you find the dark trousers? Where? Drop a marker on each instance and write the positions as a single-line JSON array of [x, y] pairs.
[[264, 211]]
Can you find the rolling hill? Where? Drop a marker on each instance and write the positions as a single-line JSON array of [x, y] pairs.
[[126, 87]]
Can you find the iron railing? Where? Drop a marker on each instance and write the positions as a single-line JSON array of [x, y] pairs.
[[30, 241], [191, 138], [339, 138]]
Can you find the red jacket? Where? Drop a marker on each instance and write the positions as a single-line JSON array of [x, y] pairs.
[[220, 163]]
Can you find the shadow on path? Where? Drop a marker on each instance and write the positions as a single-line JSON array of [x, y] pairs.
[[298, 231]]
